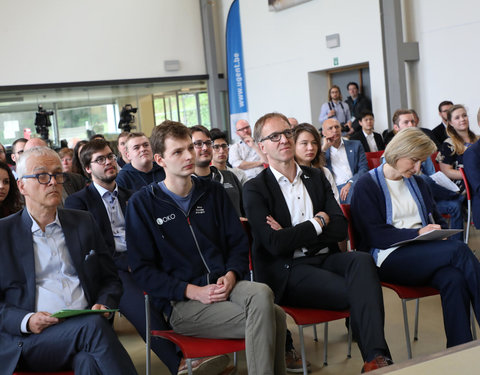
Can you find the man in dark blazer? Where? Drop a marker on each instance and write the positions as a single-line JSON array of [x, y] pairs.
[[54, 259], [296, 225], [471, 163], [99, 161], [440, 131], [345, 159], [370, 140]]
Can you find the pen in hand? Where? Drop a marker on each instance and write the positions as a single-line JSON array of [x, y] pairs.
[[430, 219]]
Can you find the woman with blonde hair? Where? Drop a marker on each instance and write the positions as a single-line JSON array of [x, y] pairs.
[[460, 138], [392, 204]]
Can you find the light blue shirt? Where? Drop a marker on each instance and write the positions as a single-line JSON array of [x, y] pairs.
[[342, 112], [115, 215], [57, 285]]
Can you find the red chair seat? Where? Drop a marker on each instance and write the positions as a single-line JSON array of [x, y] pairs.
[[304, 316], [196, 347], [412, 292]]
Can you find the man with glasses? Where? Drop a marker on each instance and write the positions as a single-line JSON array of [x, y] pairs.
[[296, 225], [55, 259], [141, 170], [245, 153], [440, 131], [345, 159], [220, 154], [202, 142], [17, 149], [107, 201]]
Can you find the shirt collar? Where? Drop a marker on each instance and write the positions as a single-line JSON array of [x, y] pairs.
[[101, 190], [367, 135], [36, 227], [279, 176], [340, 145]]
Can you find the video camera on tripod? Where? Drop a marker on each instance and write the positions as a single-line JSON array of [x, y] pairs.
[[127, 118], [42, 122]]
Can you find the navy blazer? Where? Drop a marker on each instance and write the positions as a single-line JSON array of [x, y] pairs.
[[356, 159], [359, 136], [273, 250], [471, 163], [94, 265], [89, 199]]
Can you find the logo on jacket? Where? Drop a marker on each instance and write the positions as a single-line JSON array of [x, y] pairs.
[[199, 210], [162, 220]]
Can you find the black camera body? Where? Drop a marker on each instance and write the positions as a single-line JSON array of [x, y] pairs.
[[42, 122], [127, 118]]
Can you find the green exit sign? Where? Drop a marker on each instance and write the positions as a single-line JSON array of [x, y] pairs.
[[335, 61]]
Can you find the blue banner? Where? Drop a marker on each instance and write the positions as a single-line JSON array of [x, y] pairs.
[[237, 92]]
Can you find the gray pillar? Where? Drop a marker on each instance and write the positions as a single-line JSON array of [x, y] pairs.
[[216, 85], [395, 54]]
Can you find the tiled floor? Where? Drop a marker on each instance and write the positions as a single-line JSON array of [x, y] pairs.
[[431, 337]]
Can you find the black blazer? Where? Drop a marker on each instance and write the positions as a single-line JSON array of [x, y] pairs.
[[74, 182], [273, 250], [95, 268], [440, 133], [88, 199], [359, 136]]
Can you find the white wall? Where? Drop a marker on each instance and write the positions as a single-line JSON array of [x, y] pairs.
[[448, 68], [70, 41], [281, 48]]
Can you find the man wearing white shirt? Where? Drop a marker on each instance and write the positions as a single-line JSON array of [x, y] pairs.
[[345, 159], [371, 140], [54, 259], [245, 153]]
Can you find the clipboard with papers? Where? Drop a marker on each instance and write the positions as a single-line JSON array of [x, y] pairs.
[[62, 314], [433, 235]]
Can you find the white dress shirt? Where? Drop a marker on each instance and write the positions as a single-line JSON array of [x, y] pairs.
[[340, 166], [57, 285], [239, 152], [115, 215], [299, 203], [371, 141]]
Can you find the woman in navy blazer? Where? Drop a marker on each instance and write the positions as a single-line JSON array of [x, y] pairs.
[[392, 204]]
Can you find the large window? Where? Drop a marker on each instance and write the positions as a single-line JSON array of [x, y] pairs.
[[190, 108]]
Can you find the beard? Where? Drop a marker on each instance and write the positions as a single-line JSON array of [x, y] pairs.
[[108, 179], [202, 163]]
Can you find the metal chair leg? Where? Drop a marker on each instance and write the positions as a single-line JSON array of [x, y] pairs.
[[148, 338], [325, 344], [349, 350], [302, 350], [235, 359], [472, 323], [415, 331], [189, 366], [315, 337], [407, 332]]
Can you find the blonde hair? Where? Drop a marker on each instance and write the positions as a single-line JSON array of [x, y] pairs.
[[457, 140], [409, 143]]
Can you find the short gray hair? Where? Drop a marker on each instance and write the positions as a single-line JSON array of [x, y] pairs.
[[34, 152]]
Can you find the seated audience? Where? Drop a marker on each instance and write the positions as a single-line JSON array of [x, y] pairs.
[[471, 162], [142, 170], [427, 132], [17, 150], [202, 142], [296, 225], [371, 140], [392, 204], [76, 164], [66, 156], [309, 154], [460, 138], [122, 159], [345, 159], [404, 118], [193, 259], [220, 154], [55, 259], [440, 131], [10, 201]]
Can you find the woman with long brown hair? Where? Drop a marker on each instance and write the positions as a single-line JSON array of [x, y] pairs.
[[10, 198]]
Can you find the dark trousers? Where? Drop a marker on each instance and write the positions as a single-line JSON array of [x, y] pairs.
[[448, 266], [342, 281], [86, 344], [132, 306]]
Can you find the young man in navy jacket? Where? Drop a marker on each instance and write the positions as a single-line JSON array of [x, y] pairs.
[[188, 250]]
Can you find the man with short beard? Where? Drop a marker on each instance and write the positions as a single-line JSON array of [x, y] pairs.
[[106, 201]]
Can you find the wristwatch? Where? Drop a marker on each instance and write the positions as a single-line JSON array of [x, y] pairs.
[[322, 220]]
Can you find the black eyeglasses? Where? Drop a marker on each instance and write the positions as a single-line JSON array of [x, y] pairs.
[[101, 160], [45, 178], [275, 137], [199, 144], [222, 146]]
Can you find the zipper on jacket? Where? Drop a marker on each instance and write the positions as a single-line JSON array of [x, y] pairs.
[[198, 249]]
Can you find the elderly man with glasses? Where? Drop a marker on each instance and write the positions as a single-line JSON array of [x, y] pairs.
[[55, 259], [296, 225]]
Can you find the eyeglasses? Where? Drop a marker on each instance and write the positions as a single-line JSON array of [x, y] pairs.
[[243, 129], [275, 137], [45, 178], [101, 160], [222, 146], [199, 144]]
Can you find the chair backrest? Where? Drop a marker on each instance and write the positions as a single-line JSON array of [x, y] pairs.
[[435, 162], [374, 159], [465, 182], [348, 215]]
